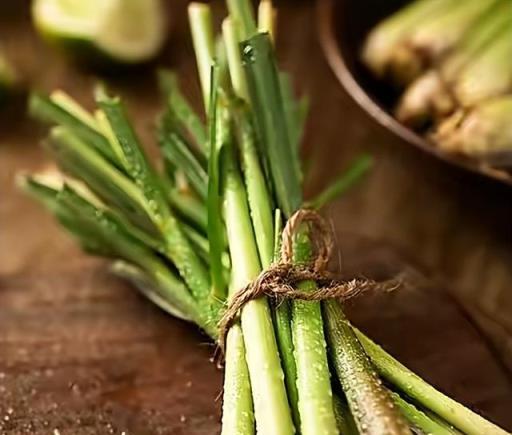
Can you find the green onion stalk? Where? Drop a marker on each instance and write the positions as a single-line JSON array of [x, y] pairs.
[[209, 220]]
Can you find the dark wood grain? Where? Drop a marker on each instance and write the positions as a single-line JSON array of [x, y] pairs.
[[82, 353]]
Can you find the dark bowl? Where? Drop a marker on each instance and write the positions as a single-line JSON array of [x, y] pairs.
[[343, 26]]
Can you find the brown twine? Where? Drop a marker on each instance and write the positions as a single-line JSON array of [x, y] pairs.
[[280, 280]]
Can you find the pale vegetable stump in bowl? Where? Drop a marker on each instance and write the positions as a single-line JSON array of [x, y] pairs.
[[441, 82]]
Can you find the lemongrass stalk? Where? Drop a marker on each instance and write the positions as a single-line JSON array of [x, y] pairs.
[[489, 74], [380, 45], [371, 405], [229, 34], [426, 99], [143, 282], [242, 13], [200, 20], [313, 375], [260, 202], [267, 380], [71, 106], [237, 404], [45, 109], [484, 130], [433, 38], [481, 36], [266, 101], [136, 164], [430, 96], [182, 110], [313, 383], [282, 323], [267, 17], [421, 392], [344, 419], [419, 420], [188, 207]]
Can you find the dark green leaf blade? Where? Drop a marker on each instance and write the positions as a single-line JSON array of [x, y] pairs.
[[219, 134], [359, 167], [43, 108], [267, 102], [181, 110]]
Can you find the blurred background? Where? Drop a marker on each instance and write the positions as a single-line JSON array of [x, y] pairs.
[[451, 225]]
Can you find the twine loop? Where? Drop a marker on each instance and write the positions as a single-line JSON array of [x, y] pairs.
[[279, 282]]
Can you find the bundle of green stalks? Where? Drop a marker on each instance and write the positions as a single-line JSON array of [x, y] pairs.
[[209, 220], [448, 57]]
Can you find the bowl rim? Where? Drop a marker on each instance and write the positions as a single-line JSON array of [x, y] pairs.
[[336, 61]]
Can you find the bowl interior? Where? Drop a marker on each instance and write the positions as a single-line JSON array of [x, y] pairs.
[[344, 25]]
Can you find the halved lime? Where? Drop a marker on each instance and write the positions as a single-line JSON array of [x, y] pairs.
[[125, 31]]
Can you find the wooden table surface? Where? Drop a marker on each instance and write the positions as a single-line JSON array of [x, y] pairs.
[[82, 353]]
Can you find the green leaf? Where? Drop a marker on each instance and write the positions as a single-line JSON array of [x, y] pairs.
[[180, 110], [176, 150], [135, 161], [243, 13], [219, 135], [268, 106], [189, 208], [105, 180], [176, 245], [260, 202], [344, 182], [43, 108], [161, 297]]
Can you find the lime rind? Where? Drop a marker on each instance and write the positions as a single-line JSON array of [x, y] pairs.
[[124, 31]]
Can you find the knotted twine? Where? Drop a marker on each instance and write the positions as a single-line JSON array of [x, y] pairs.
[[279, 282]]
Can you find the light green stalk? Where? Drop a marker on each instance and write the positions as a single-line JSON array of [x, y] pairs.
[[430, 96], [283, 326], [344, 419], [260, 202], [260, 207], [267, 15], [188, 207], [241, 12], [421, 392], [419, 420], [381, 44], [237, 405], [229, 33], [176, 245], [313, 375], [373, 410], [204, 44], [489, 74], [267, 380], [313, 383], [482, 132]]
